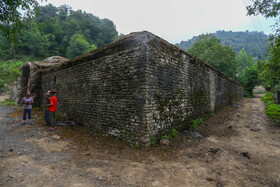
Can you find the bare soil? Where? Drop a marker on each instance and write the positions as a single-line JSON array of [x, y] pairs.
[[240, 147]]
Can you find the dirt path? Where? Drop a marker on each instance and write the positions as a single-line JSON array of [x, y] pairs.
[[241, 147]]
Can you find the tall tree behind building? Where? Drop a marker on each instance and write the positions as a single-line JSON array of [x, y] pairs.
[[208, 48]]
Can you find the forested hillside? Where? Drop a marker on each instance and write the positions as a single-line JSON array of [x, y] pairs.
[[252, 42], [54, 31], [59, 31]]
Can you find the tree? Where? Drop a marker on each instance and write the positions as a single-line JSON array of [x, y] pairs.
[[77, 46], [270, 68], [49, 33], [34, 43], [208, 48], [247, 74], [13, 16], [244, 61], [253, 42], [251, 80]]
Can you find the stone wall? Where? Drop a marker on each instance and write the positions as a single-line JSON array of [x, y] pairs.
[[30, 80], [138, 87]]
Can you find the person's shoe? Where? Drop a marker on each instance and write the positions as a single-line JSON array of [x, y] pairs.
[[22, 123], [51, 129], [29, 122]]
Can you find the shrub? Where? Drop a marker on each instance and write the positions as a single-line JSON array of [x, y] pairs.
[[268, 97], [272, 110], [196, 122], [174, 132]]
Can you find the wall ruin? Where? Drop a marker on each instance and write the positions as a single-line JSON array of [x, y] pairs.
[[138, 85], [30, 79]]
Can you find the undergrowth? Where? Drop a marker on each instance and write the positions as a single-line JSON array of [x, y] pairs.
[[272, 110], [7, 103], [196, 122]]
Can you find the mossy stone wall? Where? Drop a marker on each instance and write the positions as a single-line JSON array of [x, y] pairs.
[[139, 85]]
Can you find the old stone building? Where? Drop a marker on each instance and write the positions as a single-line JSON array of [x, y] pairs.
[[30, 79], [138, 87]]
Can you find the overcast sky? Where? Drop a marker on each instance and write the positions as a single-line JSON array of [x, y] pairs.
[[173, 20]]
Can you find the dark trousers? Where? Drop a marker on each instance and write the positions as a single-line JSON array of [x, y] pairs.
[[27, 111], [52, 118], [47, 116]]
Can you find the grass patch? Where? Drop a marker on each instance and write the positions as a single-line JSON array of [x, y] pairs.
[[7, 103], [172, 134]]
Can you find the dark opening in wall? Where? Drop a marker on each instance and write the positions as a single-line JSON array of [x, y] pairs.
[[24, 81], [54, 80]]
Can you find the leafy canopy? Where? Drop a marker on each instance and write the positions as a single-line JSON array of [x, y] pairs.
[[208, 48], [50, 33], [269, 68], [14, 15]]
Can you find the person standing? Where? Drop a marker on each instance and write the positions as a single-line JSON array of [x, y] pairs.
[[27, 107], [52, 107], [47, 101]]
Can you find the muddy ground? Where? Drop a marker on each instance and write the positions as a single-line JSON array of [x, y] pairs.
[[240, 147]]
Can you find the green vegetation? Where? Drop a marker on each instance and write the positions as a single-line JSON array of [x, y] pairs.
[[14, 15], [241, 67], [272, 110], [252, 42], [196, 122], [208, 48], [137, 146], [59, 31], [127, 134], [153, 141], [270, 67], [172, 134], [168, 137], [268, 97], [9, 72], [7, 103], [52, 31]]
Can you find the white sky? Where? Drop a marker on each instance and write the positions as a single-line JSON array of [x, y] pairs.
[[173, 20]]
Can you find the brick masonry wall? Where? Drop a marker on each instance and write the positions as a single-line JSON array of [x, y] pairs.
[[138, 87]]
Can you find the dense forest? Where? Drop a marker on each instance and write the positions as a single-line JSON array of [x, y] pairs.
[[53, 31], [252, 42], [59, 31]]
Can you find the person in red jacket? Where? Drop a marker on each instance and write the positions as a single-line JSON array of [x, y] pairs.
[[52, 107]]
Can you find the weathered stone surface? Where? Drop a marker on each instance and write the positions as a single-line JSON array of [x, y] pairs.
[[30, 79], [139, 85]]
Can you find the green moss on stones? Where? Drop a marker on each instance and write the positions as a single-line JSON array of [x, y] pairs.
[[199, 98]]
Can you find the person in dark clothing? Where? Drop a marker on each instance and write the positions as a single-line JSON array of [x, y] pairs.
[[47, 101]]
